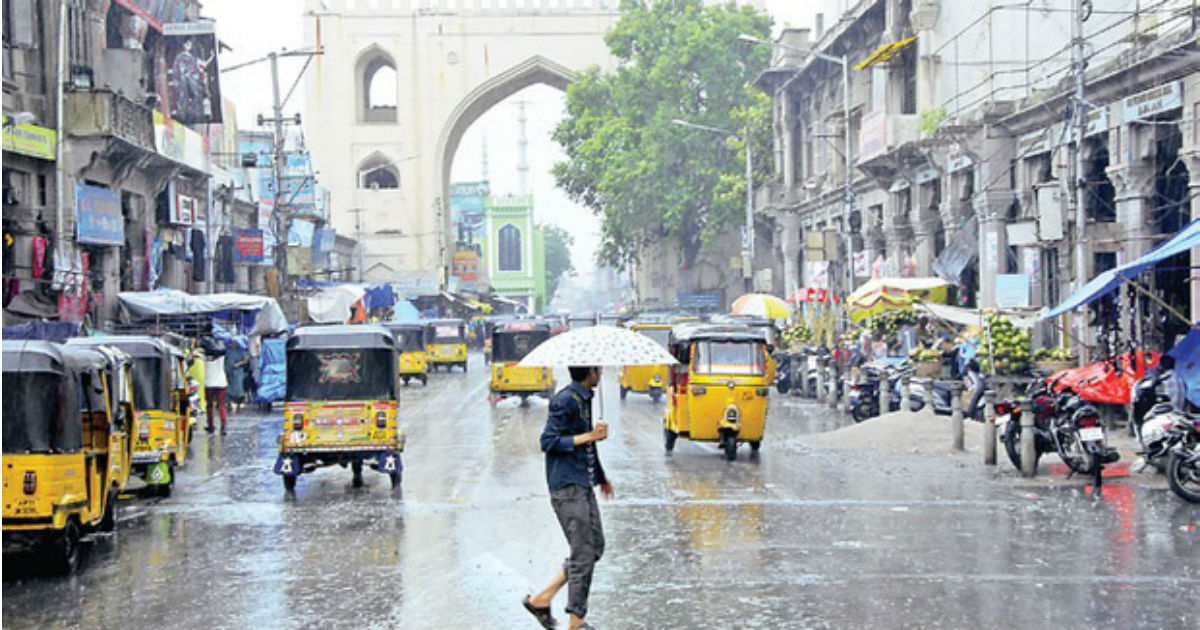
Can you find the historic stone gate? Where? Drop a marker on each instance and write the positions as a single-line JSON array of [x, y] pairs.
[[401, 81]]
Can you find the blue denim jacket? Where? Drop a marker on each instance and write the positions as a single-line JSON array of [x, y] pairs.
[[566, 463]]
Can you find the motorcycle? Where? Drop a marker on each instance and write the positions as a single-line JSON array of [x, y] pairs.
[[818, 362], [864, 394], [1008, 423], [974, 382], [783, 373], [1183, 467], [1065, 424], [1154, 418]]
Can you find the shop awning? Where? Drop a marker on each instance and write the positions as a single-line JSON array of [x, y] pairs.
[[973, 316], [148, 304], [1109, 281], [885, 53]]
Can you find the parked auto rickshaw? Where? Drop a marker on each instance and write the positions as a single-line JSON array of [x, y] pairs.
[[162, 427], [719, 389], [647, 379], [511, 341], [341, 403], [410, 343], [66, 447], [446, 343]]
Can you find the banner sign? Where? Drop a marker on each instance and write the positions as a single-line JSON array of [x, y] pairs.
[[1012, 290], [98, 219], [31, 140], [193, 88], [1154, 101], [323, 240], [179, 142], [247, 246], [467, 211], [699, 301]]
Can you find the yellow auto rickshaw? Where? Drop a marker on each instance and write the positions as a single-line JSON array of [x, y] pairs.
[[162, 410], [410, 344], [719, 389], [66, 448], [341, 403], [511, 341], [446, 343], [647, 379]]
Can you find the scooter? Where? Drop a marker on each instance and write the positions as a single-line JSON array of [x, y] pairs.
[[864, 395], [974, 383]]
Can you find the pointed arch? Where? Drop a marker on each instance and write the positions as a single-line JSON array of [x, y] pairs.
[[378, 172], [376, 85]]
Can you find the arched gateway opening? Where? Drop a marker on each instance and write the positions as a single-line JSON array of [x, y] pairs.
[[535, 70]]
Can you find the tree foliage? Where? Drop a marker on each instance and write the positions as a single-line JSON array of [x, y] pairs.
[[652, 181], [558, 257]]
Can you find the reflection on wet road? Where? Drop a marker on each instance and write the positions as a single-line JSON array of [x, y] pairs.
[[795, 538]]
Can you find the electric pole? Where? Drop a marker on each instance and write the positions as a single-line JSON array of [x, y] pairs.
[[1079, 118]]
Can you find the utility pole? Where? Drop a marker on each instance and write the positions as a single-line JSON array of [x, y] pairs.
[[280, 220], [847, 201], [748, 273], [1079, 117], [358, 238]]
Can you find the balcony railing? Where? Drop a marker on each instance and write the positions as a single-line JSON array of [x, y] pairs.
[[99, 113]]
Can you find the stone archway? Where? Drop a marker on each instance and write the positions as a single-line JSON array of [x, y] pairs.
[[533, 71]]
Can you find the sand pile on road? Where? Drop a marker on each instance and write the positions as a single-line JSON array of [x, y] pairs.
[[921, 432]]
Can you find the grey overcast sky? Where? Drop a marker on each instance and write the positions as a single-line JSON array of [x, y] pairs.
[[253, 28]]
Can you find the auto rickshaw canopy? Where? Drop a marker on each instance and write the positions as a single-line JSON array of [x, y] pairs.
[[341, 362], [511, 341], [153, 374], [409, 337], [440, 330], [46, 386]]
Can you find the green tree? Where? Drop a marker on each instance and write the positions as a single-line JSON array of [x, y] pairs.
[[651, 181], [558, 257]]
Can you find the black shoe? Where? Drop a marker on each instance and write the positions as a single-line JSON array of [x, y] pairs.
[[541, 614], [208, 429]]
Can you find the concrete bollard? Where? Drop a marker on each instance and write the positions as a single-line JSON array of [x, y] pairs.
[[905, 393], [833, 397], [956, 416], [1028, 445], [844, 400], [989, 428], [820, 386], [885, 393]]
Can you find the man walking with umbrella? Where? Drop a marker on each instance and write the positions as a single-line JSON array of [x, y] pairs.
[[572, 470]]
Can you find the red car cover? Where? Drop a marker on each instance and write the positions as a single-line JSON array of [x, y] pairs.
[[1102, 382]]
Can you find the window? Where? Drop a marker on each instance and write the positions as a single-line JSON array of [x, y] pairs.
[[723, 357], [377, 87], [908, 72], [510, 248], [378, 172]]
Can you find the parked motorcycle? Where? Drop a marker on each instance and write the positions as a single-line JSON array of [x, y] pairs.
[[1008, 423], [974, 383], [1183, 465], [864, 394], [1154, 418], [1065, 424]]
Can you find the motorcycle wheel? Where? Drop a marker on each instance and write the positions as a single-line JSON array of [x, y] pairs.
[[1078, 461], [1097, 472], [1012, 443], [856, 412], [729, 445], [1184, 480]]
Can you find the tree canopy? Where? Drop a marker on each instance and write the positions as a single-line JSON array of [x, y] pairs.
[[653, 181], [558, 244]]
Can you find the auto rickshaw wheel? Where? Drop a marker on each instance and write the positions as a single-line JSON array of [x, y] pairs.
[[669, 438], [64, 549], [463, 365], [395, 477], [755, 445], [108, 522], [289, 483], [424, 380], [406, 379], [357, 467], [729, 445], [656, 395], [624, 392]]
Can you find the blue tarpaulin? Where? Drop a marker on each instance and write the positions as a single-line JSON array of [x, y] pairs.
[[272, 385], [45, 331], [379, 296], [405, 312], [1110, 280], [1187, 364]]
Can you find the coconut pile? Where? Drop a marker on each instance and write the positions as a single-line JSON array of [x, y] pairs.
[[921, 432]]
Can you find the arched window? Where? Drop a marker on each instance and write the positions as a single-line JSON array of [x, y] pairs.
[[377, 84], [510, 248], [377, 172]]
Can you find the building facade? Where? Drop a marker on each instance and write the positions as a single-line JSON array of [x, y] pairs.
[[514, 251], [961, 149]]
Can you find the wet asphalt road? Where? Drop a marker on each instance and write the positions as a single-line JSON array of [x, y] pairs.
[[795, 538]]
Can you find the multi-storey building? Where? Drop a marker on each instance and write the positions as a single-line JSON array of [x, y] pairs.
[[961, 148]]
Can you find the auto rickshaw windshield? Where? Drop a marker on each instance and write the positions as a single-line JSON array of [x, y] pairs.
[[35, 419], [409, 340], [341, 374], [726, 357], [660, 335], [513, 346], [150, 385], [448, 333]]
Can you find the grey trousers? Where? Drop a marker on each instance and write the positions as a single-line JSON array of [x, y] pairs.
[[579, 515]]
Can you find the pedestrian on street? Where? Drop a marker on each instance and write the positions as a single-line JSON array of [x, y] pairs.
[[215, 384], [572, 469]]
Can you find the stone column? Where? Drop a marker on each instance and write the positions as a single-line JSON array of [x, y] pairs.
[[789, 250], [990, 208]]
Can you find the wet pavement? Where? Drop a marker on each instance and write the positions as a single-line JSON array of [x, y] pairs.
[[796, 537]]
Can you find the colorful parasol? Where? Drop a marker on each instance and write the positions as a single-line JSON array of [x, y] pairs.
[[760, 305]]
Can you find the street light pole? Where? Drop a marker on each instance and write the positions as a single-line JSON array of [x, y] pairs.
[[748, 233]]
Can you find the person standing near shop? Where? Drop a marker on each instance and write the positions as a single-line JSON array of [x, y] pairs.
[[215, 385], [572, 469]]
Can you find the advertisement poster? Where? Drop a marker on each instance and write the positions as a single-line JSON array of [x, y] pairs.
[[98, 217], [248, 246], [467, 210], [193, 88]]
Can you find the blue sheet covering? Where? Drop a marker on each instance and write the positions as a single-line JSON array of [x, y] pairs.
[[272, 386], [379, 296], [44, 331], [1187, 364], [405, 312], [1110, 280]]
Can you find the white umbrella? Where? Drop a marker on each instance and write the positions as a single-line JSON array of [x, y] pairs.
[[601, 346]]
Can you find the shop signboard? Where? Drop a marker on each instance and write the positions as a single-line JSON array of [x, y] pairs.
[[98, 219], [1156, 100], [31, 140], [1012, 290], [248, 246]]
